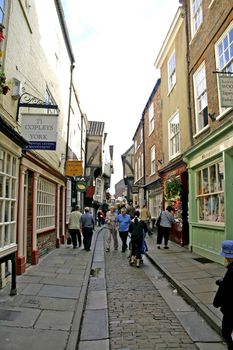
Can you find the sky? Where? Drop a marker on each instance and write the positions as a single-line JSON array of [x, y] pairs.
[[115, 44]]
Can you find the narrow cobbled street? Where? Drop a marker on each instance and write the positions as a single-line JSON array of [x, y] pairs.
[[139, 318]]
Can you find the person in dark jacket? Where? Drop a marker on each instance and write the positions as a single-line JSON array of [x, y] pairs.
[[137, 229], [224, 295], [87, 225]]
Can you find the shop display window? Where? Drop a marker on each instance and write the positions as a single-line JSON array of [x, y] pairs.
[[46, 192], [8, 193], [210, 193]]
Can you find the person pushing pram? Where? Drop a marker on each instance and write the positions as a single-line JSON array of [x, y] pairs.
[[137, 231]]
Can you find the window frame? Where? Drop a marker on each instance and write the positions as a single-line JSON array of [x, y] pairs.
[[173, 137], [194, 27], [151, 118], [152, 160], [9, 165], [223, 110], [198, 100], [205, 190], [46, 205], [171, 74]]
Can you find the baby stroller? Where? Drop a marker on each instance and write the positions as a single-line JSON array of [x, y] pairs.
[[132, 259]]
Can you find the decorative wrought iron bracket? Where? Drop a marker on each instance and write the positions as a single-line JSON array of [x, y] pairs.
[[30, 101]]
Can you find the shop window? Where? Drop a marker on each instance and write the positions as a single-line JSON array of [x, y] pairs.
[[8, 185], [210, 193], [46, 191], [200, 94], [196, 15]]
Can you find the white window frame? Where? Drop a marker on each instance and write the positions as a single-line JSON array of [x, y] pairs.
[[196, 15], [201, 98], [46, 205], [174, 136], [136, 170], [210, 192], [224, 65], [151, 118], [8, 199], [171, 71], [152, 160]]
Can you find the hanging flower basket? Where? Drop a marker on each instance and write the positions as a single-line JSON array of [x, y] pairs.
[[4, 88], [173, 188]]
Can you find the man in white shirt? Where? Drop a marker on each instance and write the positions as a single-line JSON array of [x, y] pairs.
[[74, 226]]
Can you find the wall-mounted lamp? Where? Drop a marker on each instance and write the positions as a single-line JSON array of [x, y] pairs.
[[61, 159]]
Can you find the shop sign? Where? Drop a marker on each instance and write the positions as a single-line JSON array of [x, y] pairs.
[[81, 184], [135, 189], [40, 130], [74, 168], [226, 90]]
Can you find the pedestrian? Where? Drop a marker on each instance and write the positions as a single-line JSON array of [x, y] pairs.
[[74, 226], [164, 228], [131, 209], [87, 226], [123, 220], [146, 216], [111, 231], [137, 229], [224, 295]]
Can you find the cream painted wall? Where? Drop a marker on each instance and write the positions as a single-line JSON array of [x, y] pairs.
[[36, 54]]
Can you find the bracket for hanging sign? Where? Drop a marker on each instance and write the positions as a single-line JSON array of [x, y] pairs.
[[30, 101]]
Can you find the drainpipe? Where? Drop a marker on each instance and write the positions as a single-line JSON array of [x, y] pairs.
[[144, 158], [69, 107]]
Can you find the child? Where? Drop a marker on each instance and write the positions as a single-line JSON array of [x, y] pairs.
[[224, 295]]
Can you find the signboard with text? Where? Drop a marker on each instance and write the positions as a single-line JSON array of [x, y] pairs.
[[74, 168], [40, 130], [226, 90]]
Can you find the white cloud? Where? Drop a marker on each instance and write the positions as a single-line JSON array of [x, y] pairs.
[[115, 43]]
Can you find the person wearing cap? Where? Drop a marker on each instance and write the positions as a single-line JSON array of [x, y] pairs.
[[87, 225], [74, 226], [224, 295]]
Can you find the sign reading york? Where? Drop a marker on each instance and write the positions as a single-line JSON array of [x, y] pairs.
[[40, 130]]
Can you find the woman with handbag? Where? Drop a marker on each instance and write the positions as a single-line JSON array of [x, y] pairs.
[[164, 226]]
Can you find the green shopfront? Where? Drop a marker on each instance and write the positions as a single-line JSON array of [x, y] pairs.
[[210, 167]]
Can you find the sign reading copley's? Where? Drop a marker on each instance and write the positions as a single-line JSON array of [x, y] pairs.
[[226, 90], [40, 130]]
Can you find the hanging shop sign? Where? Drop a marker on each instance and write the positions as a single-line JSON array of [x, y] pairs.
[[226, 90], [74, 168], [81, 184], [40, 130], [94, 152]]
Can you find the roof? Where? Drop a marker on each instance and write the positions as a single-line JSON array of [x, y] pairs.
[[95, 128]]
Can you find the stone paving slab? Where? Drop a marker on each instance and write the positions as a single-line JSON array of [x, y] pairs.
[[201, 332], [34, 339], [32, 289], [18, 317], [94, 325], [56, 320], [94, 345], [60, 292], [46, 303], [96, 300]]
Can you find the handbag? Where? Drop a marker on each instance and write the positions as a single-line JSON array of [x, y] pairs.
[[69, 240]]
